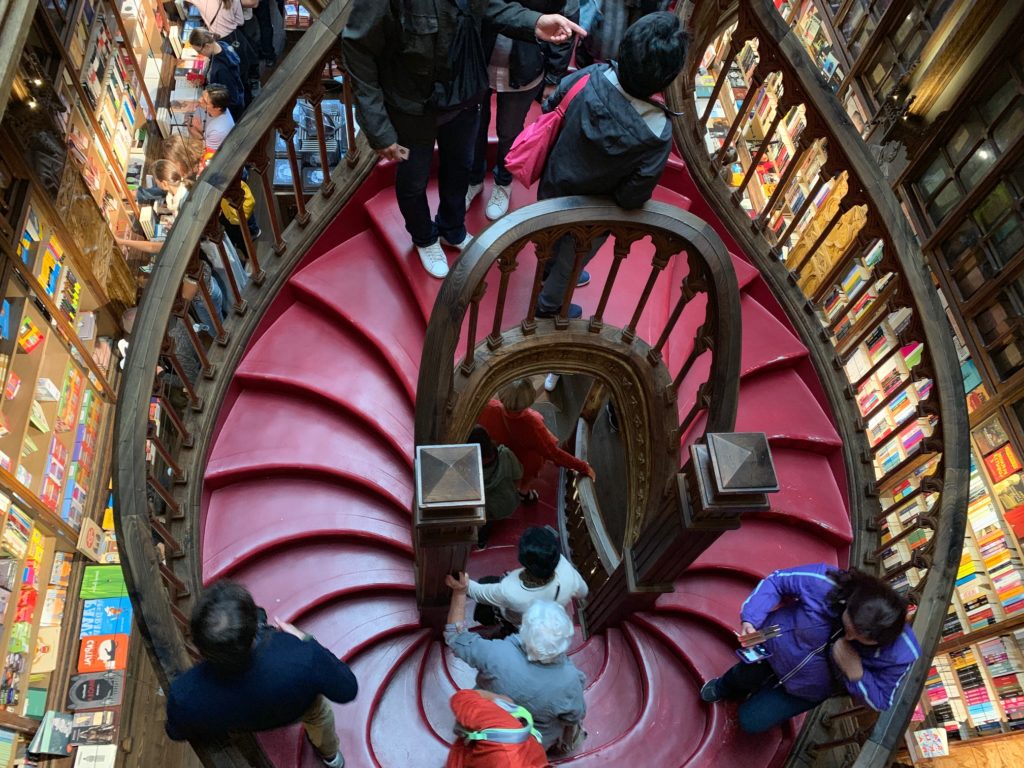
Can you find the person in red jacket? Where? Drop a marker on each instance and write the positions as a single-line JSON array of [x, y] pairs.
[[493, 732], [511, 421]]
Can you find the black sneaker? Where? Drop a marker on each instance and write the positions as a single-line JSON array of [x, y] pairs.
[[709, 692], [575, 312]]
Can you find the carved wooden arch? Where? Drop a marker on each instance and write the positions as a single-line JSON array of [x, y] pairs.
[[448, 399], [648, 418]]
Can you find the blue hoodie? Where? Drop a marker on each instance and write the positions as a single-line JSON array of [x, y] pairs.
[[797, 600]]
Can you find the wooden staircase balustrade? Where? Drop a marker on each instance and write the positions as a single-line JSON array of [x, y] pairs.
[[860, 209], [626, 367], [163, 580]]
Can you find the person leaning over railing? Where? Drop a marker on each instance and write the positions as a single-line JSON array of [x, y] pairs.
[[253, 677], [615, 140], [531, 667], [826, 632]]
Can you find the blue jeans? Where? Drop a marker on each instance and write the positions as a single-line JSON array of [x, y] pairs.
[[768, 704], [455, 141], [512, 109]]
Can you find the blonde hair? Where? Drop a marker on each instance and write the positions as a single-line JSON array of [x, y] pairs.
[[184, 151], [517, 395]]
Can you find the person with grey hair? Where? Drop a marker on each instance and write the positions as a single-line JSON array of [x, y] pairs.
[[530, 667]]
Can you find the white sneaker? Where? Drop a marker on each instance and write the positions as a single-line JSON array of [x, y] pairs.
[[550, 382], [433, 258], [460, 247], [497, 206], [472, 192], [338, 761]]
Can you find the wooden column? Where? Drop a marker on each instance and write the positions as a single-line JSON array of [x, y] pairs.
[[449, 508]]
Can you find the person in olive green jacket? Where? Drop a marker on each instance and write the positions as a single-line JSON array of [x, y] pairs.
[[502, 472]]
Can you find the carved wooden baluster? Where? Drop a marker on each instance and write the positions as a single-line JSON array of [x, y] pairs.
[[700, 403], [187, 440], [215, 234], [787, 175], [921, 522], [734, 49], [689, 287], [701, 343], [544, 247], [784, 237], [180, 311], [583, 240], [622, 246], [260, 160], [844, 206], [658, 263], [781, 109], [173, 508], [235, 198], [314, 93], [756, 87], [352, 151], [507, 263], [469, 362], [179, 370], [858, 737], [286, 127], [152, 434], [195, 272]]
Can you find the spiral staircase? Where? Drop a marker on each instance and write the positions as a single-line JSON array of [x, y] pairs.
[[292, 466]]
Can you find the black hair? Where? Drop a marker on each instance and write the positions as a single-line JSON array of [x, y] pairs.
[[224, 626], [877, 610], [218, 95], [488, 452], [539, 552], [652, 54]]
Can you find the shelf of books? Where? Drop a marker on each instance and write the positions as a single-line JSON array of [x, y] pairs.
[[52, 408], [119, 64], [753, 131]]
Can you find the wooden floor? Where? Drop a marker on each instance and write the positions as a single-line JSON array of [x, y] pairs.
[[143, 741]]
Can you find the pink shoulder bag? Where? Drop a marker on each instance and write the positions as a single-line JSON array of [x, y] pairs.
[[529, 153]]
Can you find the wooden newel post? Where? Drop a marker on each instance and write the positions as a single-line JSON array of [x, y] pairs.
[[730, 474], [449, 510]]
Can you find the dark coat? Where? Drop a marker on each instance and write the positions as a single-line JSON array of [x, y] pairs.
[[526, 60], [395, 50], [604, 147], [225, 69]]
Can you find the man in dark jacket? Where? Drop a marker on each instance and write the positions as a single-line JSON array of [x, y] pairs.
[[615, 140], [253, 678], [397, 54]]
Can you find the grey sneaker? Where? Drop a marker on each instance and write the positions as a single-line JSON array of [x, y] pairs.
[[710, 692], [433, 259]]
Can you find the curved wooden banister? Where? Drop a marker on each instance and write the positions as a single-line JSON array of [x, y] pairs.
[[625, 367], [163, 579], [907, 297]]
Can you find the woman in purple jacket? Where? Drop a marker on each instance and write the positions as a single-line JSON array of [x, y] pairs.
[[838, 632]]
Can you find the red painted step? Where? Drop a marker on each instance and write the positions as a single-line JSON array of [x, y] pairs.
[[308, 493]]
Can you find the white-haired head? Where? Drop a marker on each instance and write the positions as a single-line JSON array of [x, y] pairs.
[[546, 631]]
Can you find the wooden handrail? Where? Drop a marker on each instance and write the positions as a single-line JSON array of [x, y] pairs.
[[780, 50], [160, 590]]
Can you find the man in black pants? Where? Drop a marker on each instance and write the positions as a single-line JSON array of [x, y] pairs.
[[407, 60], [254, 678]]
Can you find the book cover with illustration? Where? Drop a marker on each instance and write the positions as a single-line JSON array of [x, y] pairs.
[[106, 616], [95, 690], [99, 653]]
